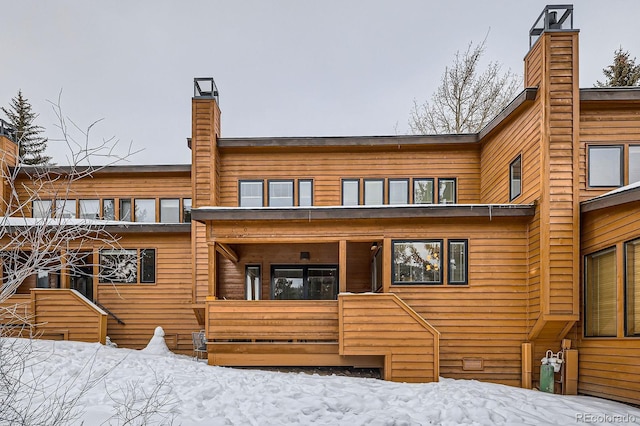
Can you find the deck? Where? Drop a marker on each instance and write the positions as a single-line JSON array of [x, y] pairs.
[[357, 330]]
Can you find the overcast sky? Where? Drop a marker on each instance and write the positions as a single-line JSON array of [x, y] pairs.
[[283, 68]]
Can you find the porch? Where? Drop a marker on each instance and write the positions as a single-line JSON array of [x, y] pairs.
[[359, 330]]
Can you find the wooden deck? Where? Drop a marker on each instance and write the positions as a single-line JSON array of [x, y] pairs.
[[324, 333], [56, 314]]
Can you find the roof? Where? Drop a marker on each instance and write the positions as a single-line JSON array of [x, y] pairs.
[[610, 94], [362, 212], [623, 195], [116, 169], [112, 226]]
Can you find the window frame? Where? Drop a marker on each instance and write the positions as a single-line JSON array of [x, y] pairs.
[[300, 182], [155, 210], [455, 189], [103, 206], [160, 219], [364, 190], [433, 190], [466, 261], [44, 216], [635, 146], [275, 181], [305, 279], [420, 241], [389, 192], [120, 209], [80, 211], [139, 266], [256, 292], [621, 150], [512, 195], [627, 296], [350, 180], [585, 327], [186, 212], [249, 181]]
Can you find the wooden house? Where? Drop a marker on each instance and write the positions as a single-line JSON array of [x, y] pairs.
[[462, 256]]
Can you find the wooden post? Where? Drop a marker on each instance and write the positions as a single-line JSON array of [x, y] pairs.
[[570, 385], [386, 265], [64, 271], [212, 293], [526, 365], [342, 266]]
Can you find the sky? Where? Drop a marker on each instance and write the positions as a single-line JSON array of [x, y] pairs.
[[114, 384], [282, 67]]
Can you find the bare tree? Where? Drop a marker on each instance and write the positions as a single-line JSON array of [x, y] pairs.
[[466, 99], [38, 234]]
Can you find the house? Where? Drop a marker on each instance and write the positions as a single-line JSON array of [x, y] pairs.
[[462, 256]]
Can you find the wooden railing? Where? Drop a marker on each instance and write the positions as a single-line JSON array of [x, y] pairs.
[[273, 320]]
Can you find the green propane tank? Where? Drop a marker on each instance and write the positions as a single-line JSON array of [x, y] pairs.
[[546, 378]]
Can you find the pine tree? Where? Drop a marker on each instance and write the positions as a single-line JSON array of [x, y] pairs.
[[28, 135], [622, 73]]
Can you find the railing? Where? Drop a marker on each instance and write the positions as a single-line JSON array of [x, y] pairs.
[[7, 130], [273, 320]]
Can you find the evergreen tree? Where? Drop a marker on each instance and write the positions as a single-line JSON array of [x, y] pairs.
[[28, 135], [622, 73]]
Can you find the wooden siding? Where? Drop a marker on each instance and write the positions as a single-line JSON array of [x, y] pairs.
[[167, 303], [608, 367], [16, 315], [66, 314], [486, 319], [606, 124], [327, 166], [382, 324]]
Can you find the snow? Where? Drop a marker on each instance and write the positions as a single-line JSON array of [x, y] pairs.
[[192, 393]]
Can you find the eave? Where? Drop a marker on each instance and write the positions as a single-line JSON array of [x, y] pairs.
[[612, 199], [610, 94], [109, 170], [490, 211]]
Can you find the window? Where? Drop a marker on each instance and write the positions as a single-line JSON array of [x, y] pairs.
[[304, 282], [89, 209], [280, 193], [252, 282], [251, 193], [634, 163], [170, 210], [127, 266], [145, 210], [41, 208], [305, 192], [125, 209], [350, 192], [373, 192], [423, 191], [417, 262], [376, 270], [605, 165], [457, 252], [515, 178], [600, 294], [446, 191], [632, 288], [108, 209], [186, 210], [66, 209], [398, 191]]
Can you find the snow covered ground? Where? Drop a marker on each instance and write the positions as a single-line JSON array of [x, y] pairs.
[[193, 393]]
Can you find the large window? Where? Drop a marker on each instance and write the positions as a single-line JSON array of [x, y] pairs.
[[350, 192], [41, 208], [600, 294], [417, 262], [398, 191], [447, 191], [304, 282], [423, 191], [515, 178], [170, 210], [280, 193], [634, 163], [305, 192], [128, 266], [89, 209], [632, 288], [605, 166], [251, 193], [373, 192], [458, 266], [145, 210], [66, 208]]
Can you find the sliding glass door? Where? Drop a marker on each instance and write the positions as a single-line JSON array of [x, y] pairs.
[[314, 282]]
